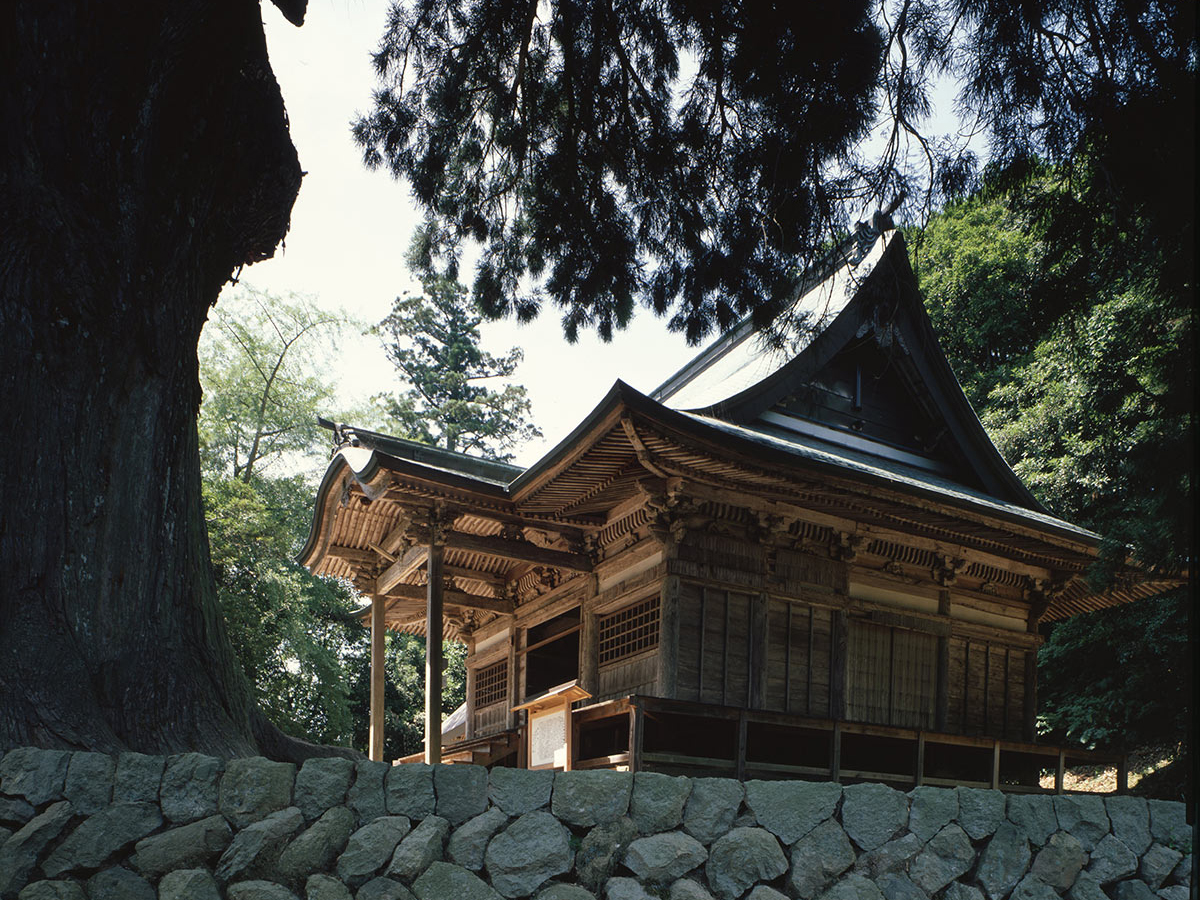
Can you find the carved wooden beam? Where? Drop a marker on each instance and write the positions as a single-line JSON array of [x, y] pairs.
[[352, 555], [522, 551], [455, 598], [406, 565]]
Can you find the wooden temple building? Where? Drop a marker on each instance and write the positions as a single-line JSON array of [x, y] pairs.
[[800, 563]]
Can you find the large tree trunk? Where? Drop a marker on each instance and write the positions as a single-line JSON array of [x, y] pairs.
[[144, 155]]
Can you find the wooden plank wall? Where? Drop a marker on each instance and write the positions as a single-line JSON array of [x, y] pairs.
[[727, 659], [986, 690], [638, 675], [490, 719]]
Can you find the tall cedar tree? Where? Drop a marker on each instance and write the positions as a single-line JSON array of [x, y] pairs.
[[144, 157], [433, 340], [689, 155]]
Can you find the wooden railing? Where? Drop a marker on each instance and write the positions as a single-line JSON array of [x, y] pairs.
[[650, 733]]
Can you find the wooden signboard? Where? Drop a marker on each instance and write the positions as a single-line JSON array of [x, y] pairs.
[[548, 735]]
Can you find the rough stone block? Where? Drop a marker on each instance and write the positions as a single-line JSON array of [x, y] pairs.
[[528, 853], [318, 847], [664, 857], [384, 889], [321, 784], [764, 892], [956, 890], [1174, 892], [255, 849], [188, 884], [930, 810], [873, 813], [791, 809], [1157, 865], [1111, 860], [408, 790], [741, 859], [370, 848], [20, 852], [446, 881], [138, 778], [100, 836], [712, 807], [1168, 823], [1034, 815], [469, 841], [366, 796], [1003, 862], [461, 792], [591, 797], [1084, 816], [52, 890], [557, 891], [687, 889], [898, 886], [622, 888], [1183, 871], [189, 787], [1033, 888], [853, 887], [15, 811], [420, 847], [1133, 890], [518, 791], [186, 847], [819, 857], [1059, 863], [980, 812], [253, 788], [601, 851], [891, 857], [258, 890], [37, 775], [947, 856], [658, 801], [119, 884], [1130, 817], [325, 887], [89, 783]]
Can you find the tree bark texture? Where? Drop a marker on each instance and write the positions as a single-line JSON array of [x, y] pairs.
[[144, 156]]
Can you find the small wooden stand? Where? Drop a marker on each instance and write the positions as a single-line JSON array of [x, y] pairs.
[[548, 734]]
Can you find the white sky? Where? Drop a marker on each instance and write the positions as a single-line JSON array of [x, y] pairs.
[[350, 228]]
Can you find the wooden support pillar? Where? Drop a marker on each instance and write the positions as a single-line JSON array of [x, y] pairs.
[[668, 638], [838, 639], [919, 767], [1059, 770], [1029, 725], [378, 632], [941, 714], [433, 653], [757, 652], [995, 779]]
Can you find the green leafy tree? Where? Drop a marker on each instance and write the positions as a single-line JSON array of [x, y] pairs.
[[292, 632], [260, 359], [433, 340], [1080, 362]]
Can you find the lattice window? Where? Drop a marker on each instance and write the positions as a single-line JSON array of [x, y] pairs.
[[629, 631], [491, 684]]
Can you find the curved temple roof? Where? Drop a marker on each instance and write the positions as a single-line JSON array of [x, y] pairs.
[[861, 421]]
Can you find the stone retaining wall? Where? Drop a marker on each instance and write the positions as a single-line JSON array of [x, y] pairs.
[[135, 827]]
